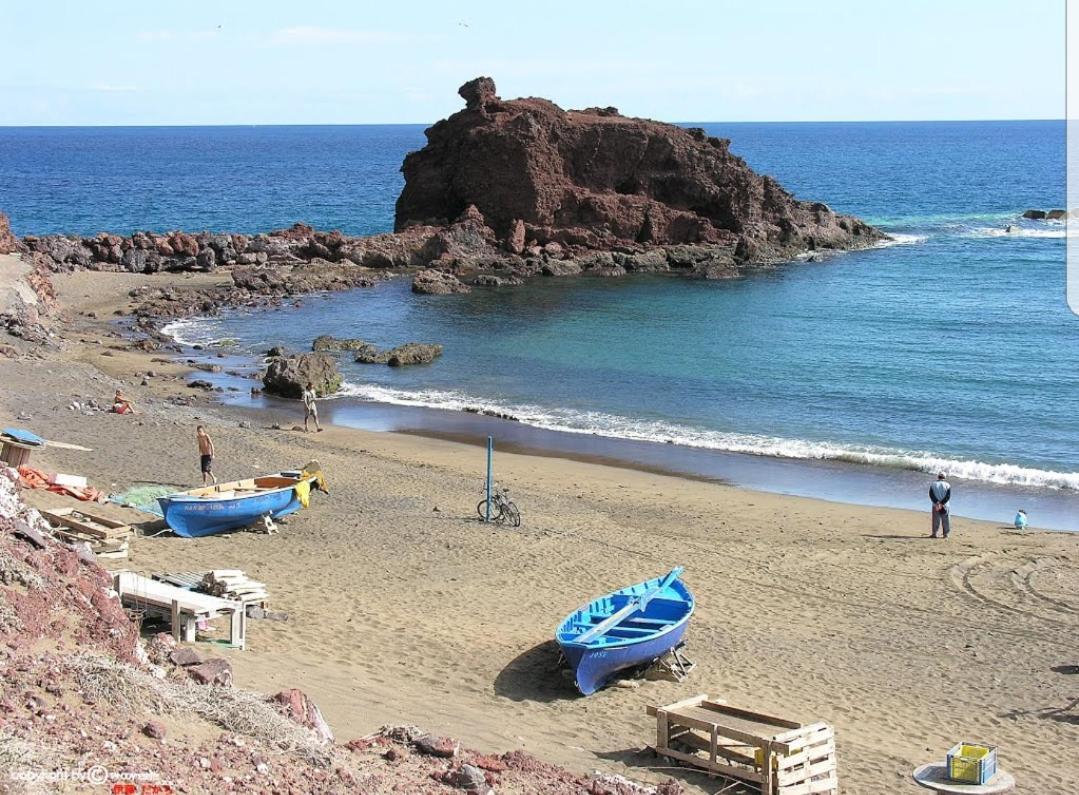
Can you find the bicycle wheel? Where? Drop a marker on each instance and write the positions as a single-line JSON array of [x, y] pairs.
[[496, 510], [513, 516]]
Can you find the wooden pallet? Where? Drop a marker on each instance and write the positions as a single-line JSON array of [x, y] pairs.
[[776, 755], [107, 537], [220, 582]]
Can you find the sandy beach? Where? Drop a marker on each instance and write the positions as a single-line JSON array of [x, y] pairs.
[[403, 608]]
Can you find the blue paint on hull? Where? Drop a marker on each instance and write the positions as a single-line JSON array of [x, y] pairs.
[[654, 632], [193, 517]]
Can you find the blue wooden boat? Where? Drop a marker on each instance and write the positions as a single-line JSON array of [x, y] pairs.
[[628, 628], [228, 506]]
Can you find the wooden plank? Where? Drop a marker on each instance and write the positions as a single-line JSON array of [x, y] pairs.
[[175, 615], [811, 754], [686, 702], [727, 751], [767, 774], [96, 526], [725, 770], [707, 725], [662, 729], [829, 784], [823, 732], [797, 775], [636, 604], [802, 731], [758, 717]]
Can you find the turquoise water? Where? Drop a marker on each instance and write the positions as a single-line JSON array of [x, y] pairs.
[[951, 349]]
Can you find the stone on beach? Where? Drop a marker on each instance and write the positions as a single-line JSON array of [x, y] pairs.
[[437, 746], [288, 376], [215, 671], [184, 657], [299, 708]]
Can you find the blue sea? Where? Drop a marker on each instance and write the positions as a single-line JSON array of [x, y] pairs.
[[950, 349]]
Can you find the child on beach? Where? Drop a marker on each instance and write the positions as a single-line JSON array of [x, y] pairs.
[[310, 410], [206, 454], [1021, 520]]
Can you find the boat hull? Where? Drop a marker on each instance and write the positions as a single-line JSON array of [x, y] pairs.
[[193, 516], [593, 668]]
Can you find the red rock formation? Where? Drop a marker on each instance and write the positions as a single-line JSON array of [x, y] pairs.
[[8, 242], [595, 179]]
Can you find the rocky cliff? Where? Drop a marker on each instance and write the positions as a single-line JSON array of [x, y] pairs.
[[595, 179]]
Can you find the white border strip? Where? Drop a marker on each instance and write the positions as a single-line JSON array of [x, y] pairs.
[[1071, 114]]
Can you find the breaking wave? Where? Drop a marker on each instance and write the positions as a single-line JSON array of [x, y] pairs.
[[617, 427]]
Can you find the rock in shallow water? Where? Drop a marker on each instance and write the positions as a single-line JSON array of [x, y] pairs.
[[288, 375]]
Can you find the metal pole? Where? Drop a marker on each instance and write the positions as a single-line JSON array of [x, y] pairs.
[[490, 455]]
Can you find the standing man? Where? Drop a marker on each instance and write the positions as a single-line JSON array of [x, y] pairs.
[[206, 454], [940, 492], [310, 410]]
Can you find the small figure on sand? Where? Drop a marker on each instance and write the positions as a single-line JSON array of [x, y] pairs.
[[940, 491], [206, 454], [310, 410], [121, 405], [1021, 519]]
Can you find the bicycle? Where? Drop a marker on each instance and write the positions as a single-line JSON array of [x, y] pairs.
[[503, 509]]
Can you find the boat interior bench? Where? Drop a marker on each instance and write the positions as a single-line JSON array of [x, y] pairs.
[[183, 607]]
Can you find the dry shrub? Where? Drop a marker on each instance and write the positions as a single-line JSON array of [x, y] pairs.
[[128, 689]]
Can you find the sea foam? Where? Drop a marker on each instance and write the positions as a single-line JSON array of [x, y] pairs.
[[618, 427]]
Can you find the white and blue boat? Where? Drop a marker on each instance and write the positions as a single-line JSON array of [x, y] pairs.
[[228, 506], [628, 628]]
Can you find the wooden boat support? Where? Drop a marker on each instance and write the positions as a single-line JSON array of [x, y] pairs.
[[776, 755], [184, 608]]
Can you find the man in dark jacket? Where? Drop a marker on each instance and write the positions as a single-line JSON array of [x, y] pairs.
[[940, 492]]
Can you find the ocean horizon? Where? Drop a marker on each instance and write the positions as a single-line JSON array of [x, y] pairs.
[[951, 348]]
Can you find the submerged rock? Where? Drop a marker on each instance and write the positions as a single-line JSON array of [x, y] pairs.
[[327, 343], [435, 282], [288, 375], [409, 353]]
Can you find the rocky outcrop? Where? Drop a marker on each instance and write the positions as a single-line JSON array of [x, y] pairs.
[[287, 376], [8, 242], [326, 343], [598, 180], [436, 282], [402, 355], [1049, 215]]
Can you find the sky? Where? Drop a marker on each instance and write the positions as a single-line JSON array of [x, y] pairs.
[[318, 62]]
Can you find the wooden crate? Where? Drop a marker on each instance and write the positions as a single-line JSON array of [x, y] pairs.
[[779, 756], [106, 537]]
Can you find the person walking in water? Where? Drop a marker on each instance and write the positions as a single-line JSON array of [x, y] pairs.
[[310, 410], [206, 454], [940, 491]]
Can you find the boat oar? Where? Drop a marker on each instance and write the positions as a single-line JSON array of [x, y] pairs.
[[635, 605]]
